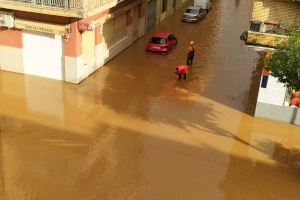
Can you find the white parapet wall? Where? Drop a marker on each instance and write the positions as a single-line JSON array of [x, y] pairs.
[[279, 113], [271, 103]]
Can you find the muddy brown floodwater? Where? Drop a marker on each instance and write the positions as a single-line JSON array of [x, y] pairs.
[[131, 131]]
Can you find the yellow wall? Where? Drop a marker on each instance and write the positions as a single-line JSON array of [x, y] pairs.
[[287, 13]]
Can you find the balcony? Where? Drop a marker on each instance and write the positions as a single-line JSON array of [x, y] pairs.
[[65, 8], [267, 34], [264, 39]]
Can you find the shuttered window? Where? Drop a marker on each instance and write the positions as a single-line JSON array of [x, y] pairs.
[[115, 30]]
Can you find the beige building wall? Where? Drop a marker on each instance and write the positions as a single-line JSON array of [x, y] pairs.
[[99, 46], [287, 13], [88, 47], [11, 50], [11, 59], [72, 69]]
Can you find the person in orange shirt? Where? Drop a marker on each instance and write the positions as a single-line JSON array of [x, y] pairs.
[[182, 70], [190, 54], [295, 102]]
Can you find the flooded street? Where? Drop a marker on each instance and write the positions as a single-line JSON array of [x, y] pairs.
[[131, 131]]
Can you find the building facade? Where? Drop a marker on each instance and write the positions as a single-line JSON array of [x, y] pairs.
[[70, 39], [65, 43], [271, 21]]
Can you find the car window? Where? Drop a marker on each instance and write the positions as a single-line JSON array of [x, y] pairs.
[[158, 40], [193, 11], [202, 10]]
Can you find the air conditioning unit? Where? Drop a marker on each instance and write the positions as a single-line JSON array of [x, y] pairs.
[[7, 19]]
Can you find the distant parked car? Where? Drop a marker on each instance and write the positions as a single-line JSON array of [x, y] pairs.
[[205, 4], [161, 42], [193, 14]]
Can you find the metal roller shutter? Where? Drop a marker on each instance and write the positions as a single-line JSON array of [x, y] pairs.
[[151, 14]]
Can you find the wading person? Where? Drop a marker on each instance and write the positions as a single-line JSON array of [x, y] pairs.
[[182, 71], [190, 54]]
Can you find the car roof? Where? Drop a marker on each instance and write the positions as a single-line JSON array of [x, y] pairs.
[[161, 34], [194, 7]]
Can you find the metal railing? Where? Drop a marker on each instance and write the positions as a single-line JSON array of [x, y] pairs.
[[62, 4], [58, 4]]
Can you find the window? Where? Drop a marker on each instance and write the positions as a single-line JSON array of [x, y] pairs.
[[157, 40], [194, 11]]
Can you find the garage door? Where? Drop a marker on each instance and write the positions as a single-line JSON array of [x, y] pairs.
[[151, 14], [43, 55]]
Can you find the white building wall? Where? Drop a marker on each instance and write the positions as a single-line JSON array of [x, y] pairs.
[[273, 94]]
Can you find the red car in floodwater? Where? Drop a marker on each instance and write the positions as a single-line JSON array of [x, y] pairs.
[[161, 42]]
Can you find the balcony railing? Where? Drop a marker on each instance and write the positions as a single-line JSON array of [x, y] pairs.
[[75, 8], [61, 4]]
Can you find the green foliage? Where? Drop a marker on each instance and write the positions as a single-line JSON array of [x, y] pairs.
[[284, 63]]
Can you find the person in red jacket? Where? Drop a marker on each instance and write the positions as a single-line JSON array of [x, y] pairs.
[[182, 71]]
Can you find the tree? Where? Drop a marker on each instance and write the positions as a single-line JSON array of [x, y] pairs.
[[284, 62]]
